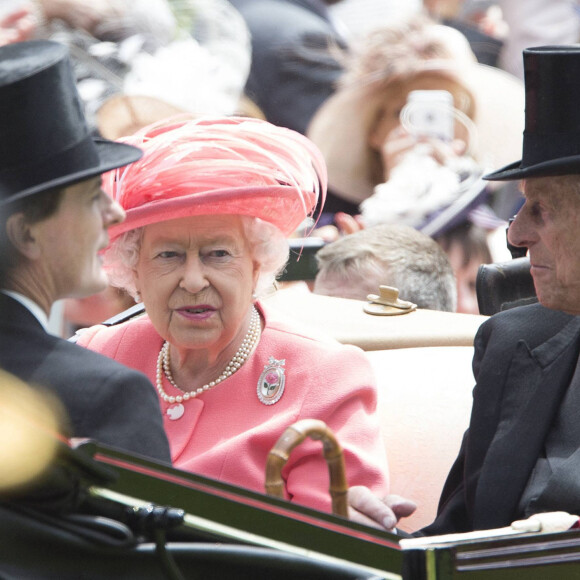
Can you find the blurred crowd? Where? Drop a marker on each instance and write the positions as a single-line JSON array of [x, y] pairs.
[[339, 72]]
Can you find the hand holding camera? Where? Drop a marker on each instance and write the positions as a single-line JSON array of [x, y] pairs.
[[431, 126]]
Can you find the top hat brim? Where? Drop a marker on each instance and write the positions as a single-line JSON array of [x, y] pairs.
[[111, 155], [514, 171]]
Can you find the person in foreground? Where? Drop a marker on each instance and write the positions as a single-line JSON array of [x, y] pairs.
[[54, 218], [209, 209], [521, 453]]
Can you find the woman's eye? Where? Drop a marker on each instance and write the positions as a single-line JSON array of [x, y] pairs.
[[219, 253], [167, 254]]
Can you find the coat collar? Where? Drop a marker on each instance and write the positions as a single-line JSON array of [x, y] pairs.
[[30, 305], [14, 313]]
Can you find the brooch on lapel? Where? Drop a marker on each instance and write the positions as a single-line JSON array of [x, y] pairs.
[[271, 381]]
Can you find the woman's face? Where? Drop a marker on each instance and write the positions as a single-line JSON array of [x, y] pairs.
[[396, 98], [196, 277]]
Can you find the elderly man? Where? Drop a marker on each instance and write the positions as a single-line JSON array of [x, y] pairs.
[[54, 219], [521, 453]]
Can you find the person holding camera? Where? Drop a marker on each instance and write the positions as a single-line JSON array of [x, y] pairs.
[[360, 130]]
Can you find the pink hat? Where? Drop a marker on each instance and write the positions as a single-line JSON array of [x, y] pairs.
[[209, 166]]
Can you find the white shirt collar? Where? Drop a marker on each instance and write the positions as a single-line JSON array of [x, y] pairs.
[[30, 305]]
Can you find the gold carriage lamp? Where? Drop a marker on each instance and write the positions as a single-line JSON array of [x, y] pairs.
[[388, 303], [29, 422], [293, 436]]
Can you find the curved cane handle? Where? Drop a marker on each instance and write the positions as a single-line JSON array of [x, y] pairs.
[[293, 436]]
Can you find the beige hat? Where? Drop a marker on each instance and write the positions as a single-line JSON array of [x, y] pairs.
[[122, 115], [341, 125]]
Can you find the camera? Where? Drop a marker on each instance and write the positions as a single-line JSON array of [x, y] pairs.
[[429, 113]]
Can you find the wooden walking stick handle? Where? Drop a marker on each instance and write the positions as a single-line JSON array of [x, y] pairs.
[[293, 436]]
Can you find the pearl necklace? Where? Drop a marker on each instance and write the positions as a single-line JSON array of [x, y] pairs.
[[250, 340]]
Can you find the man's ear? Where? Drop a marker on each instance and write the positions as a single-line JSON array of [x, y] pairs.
[[21, 234]]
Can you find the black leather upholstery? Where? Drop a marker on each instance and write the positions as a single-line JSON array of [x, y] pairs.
[[503, 285]]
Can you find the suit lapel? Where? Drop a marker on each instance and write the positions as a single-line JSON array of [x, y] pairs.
[[537, 382]]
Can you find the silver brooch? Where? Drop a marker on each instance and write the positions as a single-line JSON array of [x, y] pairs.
[[271, 381]]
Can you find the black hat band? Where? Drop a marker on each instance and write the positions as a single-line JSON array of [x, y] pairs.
[[541, 147]]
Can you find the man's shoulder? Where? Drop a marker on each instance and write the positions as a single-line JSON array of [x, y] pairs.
[[534, 324], [54, 362], [532, 317], [86, 362]]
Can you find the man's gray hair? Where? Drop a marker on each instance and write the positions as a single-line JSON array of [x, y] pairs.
[[391, 255]]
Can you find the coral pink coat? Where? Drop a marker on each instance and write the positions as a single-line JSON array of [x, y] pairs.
[[227, 433]]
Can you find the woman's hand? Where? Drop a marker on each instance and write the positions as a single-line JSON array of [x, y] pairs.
[[82, 14], [400, 142], [17, 26], [344, 224], [367, 508], [348, 224]]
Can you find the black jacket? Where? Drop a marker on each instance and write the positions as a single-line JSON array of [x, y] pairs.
[[524, 361], [103, 399]]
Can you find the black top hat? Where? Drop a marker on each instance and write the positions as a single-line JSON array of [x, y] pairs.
[[551, 143], [45, 141]]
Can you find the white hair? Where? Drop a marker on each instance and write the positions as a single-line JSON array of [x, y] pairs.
[[268, 245]]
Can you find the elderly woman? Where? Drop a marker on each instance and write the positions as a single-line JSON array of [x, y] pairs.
[[209, 209]]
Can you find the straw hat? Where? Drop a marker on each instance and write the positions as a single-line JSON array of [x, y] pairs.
[[341, 125]]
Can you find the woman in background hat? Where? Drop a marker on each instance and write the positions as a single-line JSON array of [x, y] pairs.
[[53, 227], [209, 209], [359, 129]]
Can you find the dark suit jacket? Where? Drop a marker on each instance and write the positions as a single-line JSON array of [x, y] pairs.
[[292, 72], [103, 399], [524, 360]]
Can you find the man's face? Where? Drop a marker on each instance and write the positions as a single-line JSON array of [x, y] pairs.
[[548, 225], [72, 239]]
